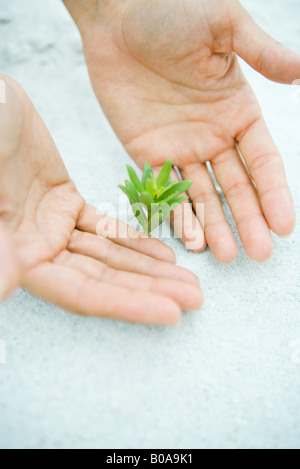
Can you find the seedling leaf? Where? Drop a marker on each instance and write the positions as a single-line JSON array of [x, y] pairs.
[[126, 192], [152, 200], [158, 216], [138, 212], [132, 190], [151, 186], [174, 191], [147, 174], [175, 202], [146, 199], [134, 179], [161, 191], [164, 174]]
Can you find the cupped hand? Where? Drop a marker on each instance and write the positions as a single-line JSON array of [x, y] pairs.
[[167, 76], [61, 249]]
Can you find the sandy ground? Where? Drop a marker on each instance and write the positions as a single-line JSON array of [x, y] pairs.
[[226, 377]]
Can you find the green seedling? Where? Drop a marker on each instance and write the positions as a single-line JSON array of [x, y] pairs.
[[152, 200]]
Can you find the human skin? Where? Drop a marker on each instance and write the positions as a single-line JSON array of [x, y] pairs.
[[168, 78], [61, 249]]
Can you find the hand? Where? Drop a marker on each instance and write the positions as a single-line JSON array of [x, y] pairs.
[[168, 78], [59, 252]]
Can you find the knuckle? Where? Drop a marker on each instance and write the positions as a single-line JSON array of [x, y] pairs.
[[263, 161], [206, 197], [237, 189]]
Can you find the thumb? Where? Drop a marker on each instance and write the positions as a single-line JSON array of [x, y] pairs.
[[9, 272], [261, 51]]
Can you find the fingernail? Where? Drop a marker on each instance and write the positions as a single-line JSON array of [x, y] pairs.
[[3, 289]]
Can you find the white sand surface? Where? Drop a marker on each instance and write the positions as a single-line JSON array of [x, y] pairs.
[[227, 376]]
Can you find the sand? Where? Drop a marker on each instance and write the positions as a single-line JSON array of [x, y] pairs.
[[227, 376]]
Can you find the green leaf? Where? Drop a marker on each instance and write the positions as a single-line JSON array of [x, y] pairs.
[[158, 217], [164, 189], [132, 190], [146, 199], [154, 209], [152, 200], [174, 191], [134, 179], [151, 186], [164, 174], [169, 181], [131, 199], [138, 212], [175, 202], [147, 174]]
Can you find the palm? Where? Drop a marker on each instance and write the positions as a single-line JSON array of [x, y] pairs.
[[67, 252], [171, 98], [43, 234], [171, 86]]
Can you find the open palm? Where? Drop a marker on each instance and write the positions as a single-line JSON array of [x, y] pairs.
[[66, 252], [168, 78]]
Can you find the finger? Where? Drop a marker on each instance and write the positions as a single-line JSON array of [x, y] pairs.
[[187, 226], [95, 222], [121, 258], [81, 294], [187, 296], [218, 233], [267, 170], [261, 51], [243, 201], [9, 271]]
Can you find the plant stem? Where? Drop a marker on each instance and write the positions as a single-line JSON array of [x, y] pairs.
[[149, 220]]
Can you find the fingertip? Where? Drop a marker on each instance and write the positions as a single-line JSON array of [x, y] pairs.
[[157, 309], [280, 212], [256, 238], [195, 245], [168, 313], [226, 258], [188, 228], [260, 251], [6, 289], [155, 248], [194, 238], [175, 318], [187, 276], [3, 289], [286, 230], [195, 299], [284, 227], [189, 297], [226, 251], [165, 253]]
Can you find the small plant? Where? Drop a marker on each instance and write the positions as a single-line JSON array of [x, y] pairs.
[[152, 200]]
